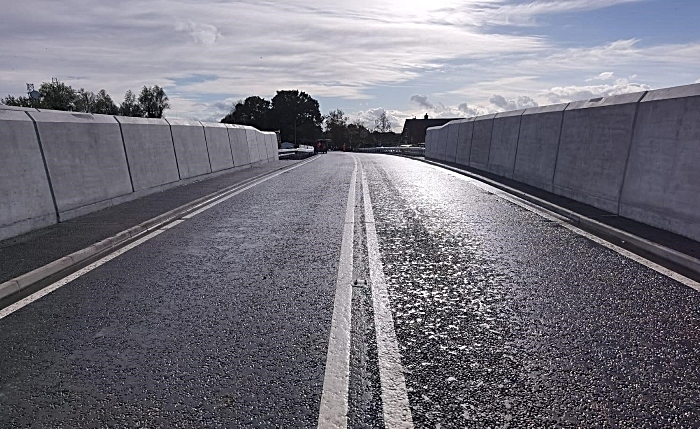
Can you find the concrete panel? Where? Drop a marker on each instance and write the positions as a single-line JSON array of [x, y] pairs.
[[268, 137], [85, 158], [662, 181], [442, 143], [150, 151], [25, 196], [220, 155], [190, 148], [538, 145], [464, 144], [274, 154], [262, 146], [239, 145], [481, 141], [504, 143], [250, 133], [593, 150], [452, 140], [18, 109], [431, 142]]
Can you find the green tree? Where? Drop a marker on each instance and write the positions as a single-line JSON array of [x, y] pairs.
[[130, 106], [84, 101], [358, 134], [104, 104], [337, 127], [153, 101], [296, 114], [382, 123], [254, 111], [57, 96], [20, 101]]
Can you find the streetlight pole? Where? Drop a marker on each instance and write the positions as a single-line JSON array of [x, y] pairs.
[[295, 132]]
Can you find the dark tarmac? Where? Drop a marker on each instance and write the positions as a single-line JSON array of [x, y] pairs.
[[503, 318]]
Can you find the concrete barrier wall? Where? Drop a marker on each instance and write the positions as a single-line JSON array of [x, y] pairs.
[[85, 158], [25, 201], [252, 144], [481, 141], [538, 145], [239, 145], [190, 148], [430, 142], [593, 150], [219, 146], [452, 140], [57, 165], [443, 136], [149, 151], [504, 143], [464, 142], [662, 180]]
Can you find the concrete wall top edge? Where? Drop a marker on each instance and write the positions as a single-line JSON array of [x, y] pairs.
[[140, 121], [20, 109], [545, 109], [485, 117], [13, 115], [607, 101], [685, 91], [184, 122], [510, 113], [213, 124], [60, 116]]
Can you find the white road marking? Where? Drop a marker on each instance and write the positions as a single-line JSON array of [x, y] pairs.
[[397, 413], [564, 222], [64, 281], [225, 196], [333, 412], [157, 230]]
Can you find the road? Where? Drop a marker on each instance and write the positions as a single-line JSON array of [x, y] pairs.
[[366, 290]]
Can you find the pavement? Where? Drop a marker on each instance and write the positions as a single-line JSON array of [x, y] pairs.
[[502, 317]]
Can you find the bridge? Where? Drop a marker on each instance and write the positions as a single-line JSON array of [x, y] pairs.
[[537, 268]]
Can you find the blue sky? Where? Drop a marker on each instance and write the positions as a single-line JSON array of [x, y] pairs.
[[446, 58]]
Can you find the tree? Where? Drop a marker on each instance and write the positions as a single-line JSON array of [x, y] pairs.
[[153, 101], [337, 126], [254, 111], [57, 96], [130, 106], [84, 101], [382, 124], [20, 101], [357, 133], [104, 104], [296, 114]]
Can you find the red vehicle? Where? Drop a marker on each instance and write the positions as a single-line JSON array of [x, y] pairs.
[[321, 146]]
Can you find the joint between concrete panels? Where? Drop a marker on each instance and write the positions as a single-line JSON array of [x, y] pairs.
[[556, 158], [629, 152], [126, 155], [46, 168], [206, 145], [172, 140]]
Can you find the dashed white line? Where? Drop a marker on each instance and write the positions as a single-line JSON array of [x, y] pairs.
[[397, 413], [333, 412]]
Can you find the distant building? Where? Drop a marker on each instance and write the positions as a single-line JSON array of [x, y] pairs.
[[414, 129]]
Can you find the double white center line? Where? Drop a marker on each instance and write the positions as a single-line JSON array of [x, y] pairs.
[[333, 412]]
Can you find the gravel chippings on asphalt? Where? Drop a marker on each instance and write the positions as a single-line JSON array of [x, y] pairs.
[[505, 319]]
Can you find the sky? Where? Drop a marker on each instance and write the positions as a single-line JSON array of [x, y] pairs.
[[406, 57]]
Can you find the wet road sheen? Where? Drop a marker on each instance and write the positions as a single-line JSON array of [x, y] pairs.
[[503, 318]]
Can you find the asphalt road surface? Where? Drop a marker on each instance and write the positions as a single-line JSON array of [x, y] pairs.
[[360, 290]]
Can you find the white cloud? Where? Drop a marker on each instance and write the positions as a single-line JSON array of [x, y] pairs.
[[573, 92], [603, 76], [522, 102], [202, 34]]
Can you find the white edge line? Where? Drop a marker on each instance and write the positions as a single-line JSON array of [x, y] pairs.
[[225, 196], [333, 411], [564, 222], [64, 281], [397, 412]]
